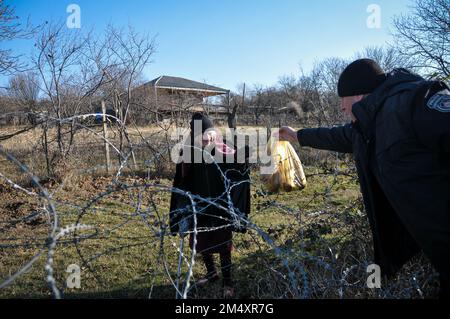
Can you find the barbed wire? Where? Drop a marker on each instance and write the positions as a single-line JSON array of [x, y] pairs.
[[312, 254]]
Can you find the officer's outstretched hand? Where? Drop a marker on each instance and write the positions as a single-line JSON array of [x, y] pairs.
[[287, 133]]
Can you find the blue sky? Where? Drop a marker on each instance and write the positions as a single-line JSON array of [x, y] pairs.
[[226, 42]]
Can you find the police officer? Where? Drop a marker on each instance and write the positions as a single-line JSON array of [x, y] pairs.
[[399, 136]]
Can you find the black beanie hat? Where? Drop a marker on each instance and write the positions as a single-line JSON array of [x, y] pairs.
[[360, 77], [206, 122]]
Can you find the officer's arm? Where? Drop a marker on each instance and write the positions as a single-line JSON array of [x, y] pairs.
[[337, 139], [431, 121]]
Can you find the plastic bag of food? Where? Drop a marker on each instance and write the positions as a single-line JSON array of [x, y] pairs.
[[287, 170]]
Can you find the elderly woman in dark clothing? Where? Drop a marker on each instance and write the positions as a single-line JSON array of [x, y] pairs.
[[201, 176]]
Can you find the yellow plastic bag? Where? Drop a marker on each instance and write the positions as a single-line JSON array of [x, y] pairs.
[[287, 170]]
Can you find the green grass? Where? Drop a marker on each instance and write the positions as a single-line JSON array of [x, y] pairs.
[[123, 257]]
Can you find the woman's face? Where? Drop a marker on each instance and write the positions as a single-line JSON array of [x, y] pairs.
[[205, 139], [209, 137]]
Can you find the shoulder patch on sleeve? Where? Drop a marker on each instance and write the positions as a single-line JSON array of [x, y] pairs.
[[440, 101]]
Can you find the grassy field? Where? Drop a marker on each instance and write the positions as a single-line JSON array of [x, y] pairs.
[[123, 257], [313, 243]]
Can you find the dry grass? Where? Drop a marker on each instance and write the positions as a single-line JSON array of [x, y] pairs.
[[321, 233]]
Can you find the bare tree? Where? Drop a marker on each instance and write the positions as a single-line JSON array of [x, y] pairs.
[[387, 57], [24, 89], [57, 59], [122, 57], [69, 81], [233, 108], [289, 85], [425, 35], [11, 28], [319, 92], [129, 53], [257, 103]]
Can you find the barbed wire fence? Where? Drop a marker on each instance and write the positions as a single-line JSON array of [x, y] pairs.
[[119, 228]]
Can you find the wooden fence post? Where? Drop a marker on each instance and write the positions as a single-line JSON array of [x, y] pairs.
[[105, 136]]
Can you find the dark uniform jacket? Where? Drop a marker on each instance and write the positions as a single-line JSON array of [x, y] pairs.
[[401, 146]]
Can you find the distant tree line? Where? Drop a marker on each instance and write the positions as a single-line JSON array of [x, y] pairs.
[[70, 72]]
